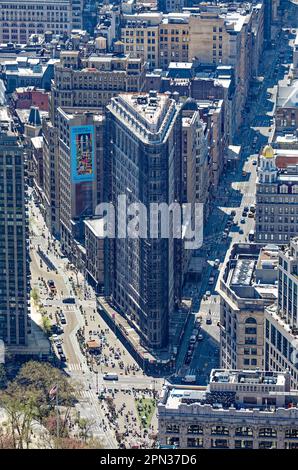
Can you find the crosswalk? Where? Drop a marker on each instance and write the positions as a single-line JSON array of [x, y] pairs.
[[89, 395], [76, 367]]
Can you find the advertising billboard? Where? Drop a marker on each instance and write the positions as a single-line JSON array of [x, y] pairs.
[[82, 153]]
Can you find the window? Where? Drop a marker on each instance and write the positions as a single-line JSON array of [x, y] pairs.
[[251, 320], [173, 428], [250, 331], [243, 444], [195, 442], [283, 189], [219, 443], [267, 445], [291, 433], [194, 429], [243, 431], [267, 432], [222, 430]]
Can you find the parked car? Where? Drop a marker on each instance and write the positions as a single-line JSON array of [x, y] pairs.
[[193, 339], [242, 221], [69, 300], [188, 360], [244, 214]]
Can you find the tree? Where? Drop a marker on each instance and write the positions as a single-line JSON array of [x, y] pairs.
[[46, 325], [20, 406], [35, 295], [3, 376], [6, 439], [40, 378], [26, 400], [85, 425]]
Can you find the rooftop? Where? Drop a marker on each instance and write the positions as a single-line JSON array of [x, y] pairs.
[[251, 274], [287, 96], [221, 376], [242, 390], [281, 319], [149, 114], [149, 107], [96, 226]]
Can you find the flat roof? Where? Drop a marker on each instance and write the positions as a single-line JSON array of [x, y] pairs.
[[150, 108], [246, 377], [96, 226], [4, 114], [243, 272]]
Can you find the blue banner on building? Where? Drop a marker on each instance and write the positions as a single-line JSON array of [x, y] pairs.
[[82, 147]]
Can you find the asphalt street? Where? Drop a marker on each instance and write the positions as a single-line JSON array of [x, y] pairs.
[[236, 191]]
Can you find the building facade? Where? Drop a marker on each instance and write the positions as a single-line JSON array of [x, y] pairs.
[[139, 34], [238, 409], [92, 82], [247, 286], [19, 20], [81, 173], [95, 252], [51, 197], [14, 258], [173, 39], [145, 151], [281, 326], [276, 197]]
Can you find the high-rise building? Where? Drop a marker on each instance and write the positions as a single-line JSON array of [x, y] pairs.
[[281, 324], [81, 144], [92, 82], [20, 19], [239, 409], [146, 165], [247, 286], [14, 264], [222, 38], [196, 168], [139, 34], [286, 113], [51, 198], [277, 196], [173, 39]]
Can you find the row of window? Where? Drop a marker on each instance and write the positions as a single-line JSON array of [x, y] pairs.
[[225, 431]]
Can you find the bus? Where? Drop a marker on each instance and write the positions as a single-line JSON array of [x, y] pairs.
[[251, 236]]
